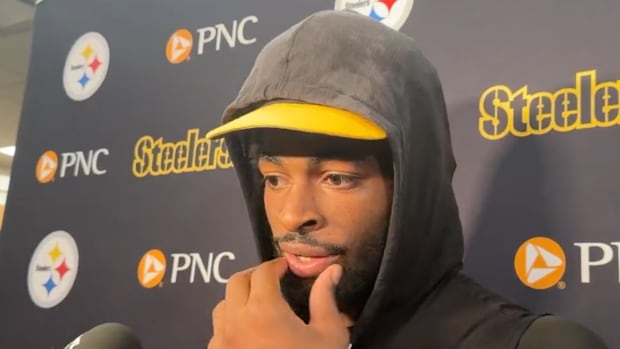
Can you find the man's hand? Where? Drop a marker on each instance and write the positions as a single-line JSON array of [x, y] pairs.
[[254, 315]]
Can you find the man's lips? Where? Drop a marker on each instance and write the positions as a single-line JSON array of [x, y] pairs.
[[306, 267], [307, 261]]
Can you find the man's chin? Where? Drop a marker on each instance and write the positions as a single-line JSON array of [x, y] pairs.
[[351, 293], [296, 291]]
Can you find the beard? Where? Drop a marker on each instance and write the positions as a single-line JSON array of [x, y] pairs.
[[359, 272]]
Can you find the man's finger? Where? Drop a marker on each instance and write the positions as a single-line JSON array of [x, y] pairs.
[[324, 311], [238, 289], [265, 280], [218, 319], [214, 343]]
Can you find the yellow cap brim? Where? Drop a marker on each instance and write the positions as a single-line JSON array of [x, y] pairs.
[[302, 117]]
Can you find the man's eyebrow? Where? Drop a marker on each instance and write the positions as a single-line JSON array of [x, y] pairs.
[[317, 160], [270, 158]]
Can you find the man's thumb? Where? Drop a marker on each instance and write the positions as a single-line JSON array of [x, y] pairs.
[[323, 308]]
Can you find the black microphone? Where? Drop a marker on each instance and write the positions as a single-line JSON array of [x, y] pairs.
[[106, 336]]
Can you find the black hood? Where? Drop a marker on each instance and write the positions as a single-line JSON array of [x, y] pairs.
[[349, 61]]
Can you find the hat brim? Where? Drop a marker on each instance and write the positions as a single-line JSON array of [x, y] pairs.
[[310, 118]]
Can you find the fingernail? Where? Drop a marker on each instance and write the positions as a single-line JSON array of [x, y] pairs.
[[336, 274]]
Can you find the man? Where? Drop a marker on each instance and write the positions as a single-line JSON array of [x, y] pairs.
[[341, 143]]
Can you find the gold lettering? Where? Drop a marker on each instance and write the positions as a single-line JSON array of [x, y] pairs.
[[606, 104], [167, 158], [566, 109], [181, 157], [520, 125], [540, 110], [193, 154], [143, 156], [587, 105], [223, 159], [495, 112], [584, 82]]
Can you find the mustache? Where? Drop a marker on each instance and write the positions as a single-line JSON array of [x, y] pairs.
[[307, 240]]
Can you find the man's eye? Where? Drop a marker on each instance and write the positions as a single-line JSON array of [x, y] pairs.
[[340, 180], [272, 181]]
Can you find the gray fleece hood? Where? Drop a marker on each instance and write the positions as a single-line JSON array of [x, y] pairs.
[[349, 61]]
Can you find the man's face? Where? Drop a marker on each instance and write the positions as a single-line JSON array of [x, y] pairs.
[[325, 210]]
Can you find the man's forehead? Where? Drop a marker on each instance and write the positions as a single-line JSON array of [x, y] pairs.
[[313, 161], [281, 143]]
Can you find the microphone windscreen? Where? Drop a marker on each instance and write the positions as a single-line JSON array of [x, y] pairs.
[[106, 336]]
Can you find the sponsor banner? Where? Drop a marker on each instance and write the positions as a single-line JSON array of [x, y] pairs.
[[112, 156]]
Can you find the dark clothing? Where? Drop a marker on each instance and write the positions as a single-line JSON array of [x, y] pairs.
[[421, 299]]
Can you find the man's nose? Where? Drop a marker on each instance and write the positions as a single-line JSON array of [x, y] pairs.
[[299, 211]]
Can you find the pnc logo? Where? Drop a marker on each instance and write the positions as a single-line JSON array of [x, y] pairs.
[[181, 43], [179, 46], [152, 268], [540, 263], [46, 167], [75, 164], [184, 268]]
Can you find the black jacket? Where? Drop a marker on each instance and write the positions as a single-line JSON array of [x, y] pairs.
[[421, 298]]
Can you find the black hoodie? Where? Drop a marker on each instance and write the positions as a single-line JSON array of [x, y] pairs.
[[420, 299]]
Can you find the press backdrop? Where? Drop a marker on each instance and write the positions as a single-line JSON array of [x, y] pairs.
[[120, 210]]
